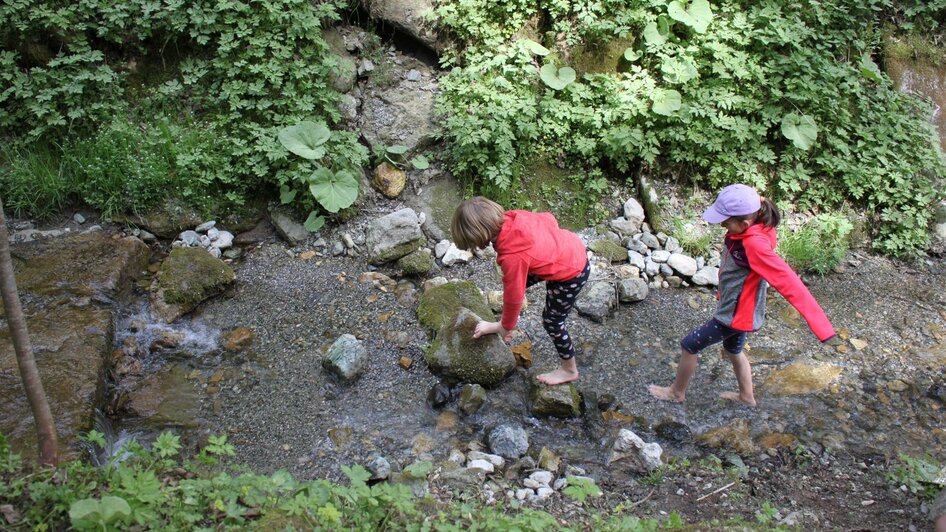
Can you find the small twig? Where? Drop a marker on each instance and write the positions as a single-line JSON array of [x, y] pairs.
[[644, 499], [726, 487]]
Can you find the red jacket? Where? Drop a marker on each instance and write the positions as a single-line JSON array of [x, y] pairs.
[[532, 243], [749, 263]]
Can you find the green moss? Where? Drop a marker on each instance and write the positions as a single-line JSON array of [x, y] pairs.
[[190, 275], [913, 47], [417, 263], [438, 306], [610, 250], [558, 401], [458, 357], [607, 58]]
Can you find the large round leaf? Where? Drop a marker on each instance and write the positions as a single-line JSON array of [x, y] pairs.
[[697, 14], [333, 190], [801, 130], [557, 78], [314, 222], [666, 101], [870, 70], [656, 33], [534, 47], [306, 139]]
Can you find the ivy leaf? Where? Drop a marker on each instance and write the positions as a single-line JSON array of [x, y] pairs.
[[306, 139], [534, 47], [333, 190], [697, 14], [870, 70], [420, 162], [631, 55], [666, 101], [557, 78], [286, 195], [801, 130], [678, 69], [314, 222]]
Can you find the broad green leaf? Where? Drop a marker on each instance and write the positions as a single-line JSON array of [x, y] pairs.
[[666, 101], [801, 130], [84, 510], [870, 70], [631, 55], [397, 149], [419, 469], [314, 222], [113, 508], [653, 35], [697, 14], [557, 78], [286, 195], [534, 47], [678, 69], [333, 190], [306, 139], [420, 162], [356, 474]]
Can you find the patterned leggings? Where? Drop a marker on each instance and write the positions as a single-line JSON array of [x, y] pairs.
[[560, 297]]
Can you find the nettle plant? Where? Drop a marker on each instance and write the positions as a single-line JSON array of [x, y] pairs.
[[333, 189]]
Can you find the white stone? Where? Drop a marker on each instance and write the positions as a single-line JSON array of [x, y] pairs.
[[650, 267], [213, 233], [455, 255], [683, 264], [544, 492], [530, 483], [496, 460], [708, 275], [224, 239], [206, 226], [633, 211], [456, 456], [482, 465], [636, 259], [522, 493], [441, 248], [625, 226], [660, 256], [542, 477], [560, 483]]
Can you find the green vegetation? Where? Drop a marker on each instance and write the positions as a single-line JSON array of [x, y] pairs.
[[784, 97], [918, 475], [156, 489], [819, 245]]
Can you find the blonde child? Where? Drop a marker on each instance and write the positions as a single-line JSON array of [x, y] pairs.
[[749, 264], [530, 248]]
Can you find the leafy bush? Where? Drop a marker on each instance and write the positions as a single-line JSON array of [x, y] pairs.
[[819, 245], [784, 97], [918, 475]]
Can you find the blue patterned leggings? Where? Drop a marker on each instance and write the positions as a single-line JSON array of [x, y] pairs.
[[560, 297]]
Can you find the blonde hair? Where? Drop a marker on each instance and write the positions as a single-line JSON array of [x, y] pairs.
[[476, 223]]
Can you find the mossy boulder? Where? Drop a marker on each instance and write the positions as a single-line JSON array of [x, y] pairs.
[[458, 357], [439, 305], [562, 400], [417, 263], [610, 250], [188, 277], [165, 220]]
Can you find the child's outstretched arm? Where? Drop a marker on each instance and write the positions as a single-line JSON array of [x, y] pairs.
[[764, 261]]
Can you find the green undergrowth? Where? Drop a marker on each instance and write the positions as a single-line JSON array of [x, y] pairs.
[[819, 245], [156, 488], [788, 98]]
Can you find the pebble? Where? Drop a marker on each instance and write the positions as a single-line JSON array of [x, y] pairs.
[[868, 502]]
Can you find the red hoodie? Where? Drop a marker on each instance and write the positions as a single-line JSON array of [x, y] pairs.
[[532, 243], [749, 263]]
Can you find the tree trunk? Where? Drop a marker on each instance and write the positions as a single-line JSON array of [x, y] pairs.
[[45, 428]]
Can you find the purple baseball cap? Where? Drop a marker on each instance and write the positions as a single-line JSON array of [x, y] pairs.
[[734, 200]]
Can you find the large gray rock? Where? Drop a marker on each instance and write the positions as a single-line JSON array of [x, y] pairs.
[[292, 231], [632, 290], [394, 236], [561, 400], [624, 226], [346, 358], [707, 275], [188, 277], [683, 264], [400, 114], [597, 301], [409, 16], [457, 356], [631, 449], [509, 441], [634, 212], [636, 259]]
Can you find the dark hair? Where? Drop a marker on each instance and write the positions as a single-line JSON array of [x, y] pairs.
[[767, 214]]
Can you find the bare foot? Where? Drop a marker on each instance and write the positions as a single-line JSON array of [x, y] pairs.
[[665, 393], [734, 396], [559, 376]]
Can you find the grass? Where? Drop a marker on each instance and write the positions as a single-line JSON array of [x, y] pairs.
[[819, 245]]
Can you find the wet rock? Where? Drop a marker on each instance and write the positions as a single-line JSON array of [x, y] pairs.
[[800, 378], [612, 251], [287, 227], [346, 358], [389, 179], [509, 441], [673, 431], [393, 236], [472, 397], [188, 277], [774, 440], [165, 220], [683, 264], [166, 341], [631, 450], [379, 467], [561, 400], [632, 290], [457, 356], [417, 263], [167, 398], [706, 276], [937, 391], [440, 304], [238, 339], [734, 436], [438, 395], [597, 301]]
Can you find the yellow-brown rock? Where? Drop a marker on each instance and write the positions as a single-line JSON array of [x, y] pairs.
[[238, 339], [800, 378], [389, 179], [734, 436]]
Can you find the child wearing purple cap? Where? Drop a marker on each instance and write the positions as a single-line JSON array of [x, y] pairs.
[[748, 265]]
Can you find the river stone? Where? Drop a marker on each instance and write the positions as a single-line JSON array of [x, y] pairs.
[[635, 244], [453, 255], [167, 398], [379, 467], [416, 263], [800, 378], [188, 277], [346, 358], [708, 275], [683, 264], [634, 212], [438, 395], [224, 240], [673, 245], [651, 268], [393, 236], [597, 301], [734, 436], [455, 355], [610, 250], [441, 248], [165, 220], [389, 179], [632, 290], [238, 339], [509, 441], [410, 17], [649, 240], [463, 480], [472, 397], [630, 449], [439, 305], [636, 259], [660, 256], [624, 226], [559, 401], [288, 228]]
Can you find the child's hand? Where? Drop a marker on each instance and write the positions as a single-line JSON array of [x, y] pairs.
[[490, 327]]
